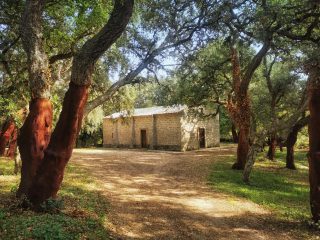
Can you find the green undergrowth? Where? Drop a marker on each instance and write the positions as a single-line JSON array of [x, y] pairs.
[[284, 192], [82, 210], [6, 166]]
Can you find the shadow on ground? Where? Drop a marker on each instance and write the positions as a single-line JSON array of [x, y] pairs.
[[164, 195], [82, 216]]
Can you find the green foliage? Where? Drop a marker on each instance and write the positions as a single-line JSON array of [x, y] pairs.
[[303, 139], [8, 109], [82, 217], [93, 121], [204, 77], [225, 124], [124, 99], [156, 94], [72, 22]]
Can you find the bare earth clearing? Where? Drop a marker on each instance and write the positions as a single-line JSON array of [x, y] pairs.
[[163, 195]]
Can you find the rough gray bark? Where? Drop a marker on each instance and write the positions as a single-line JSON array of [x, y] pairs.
[[50, 172], [253, 150], [32, 41], [17, 162], [275, 98], [255, 147]]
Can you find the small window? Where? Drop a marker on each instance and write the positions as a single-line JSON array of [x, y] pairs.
[[112, 135]]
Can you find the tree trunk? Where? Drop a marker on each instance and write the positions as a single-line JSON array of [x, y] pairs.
[[7, 131], [292, 139], [50, 174], [243, 120], [272, 147], [235, 136], [250, 162], [243, 148], [314, 138], [290, 157], [17, 162], [44, 158], [239, 106], [33, 139], [241, 110], [290, 142], [13, 144]]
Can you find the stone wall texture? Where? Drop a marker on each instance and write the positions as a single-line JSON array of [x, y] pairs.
[[171, 131], [190, 132]]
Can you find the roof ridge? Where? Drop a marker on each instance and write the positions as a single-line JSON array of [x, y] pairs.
[[155, 110]]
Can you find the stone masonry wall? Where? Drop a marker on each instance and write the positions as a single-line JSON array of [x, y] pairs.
[[174, 131], [168, 131], [145, 123], [108, 132], [163, 132], [190, 132], [124, 132]]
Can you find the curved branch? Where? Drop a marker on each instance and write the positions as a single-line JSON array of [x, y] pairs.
[[84, 60], [254, 64], [128, 79]]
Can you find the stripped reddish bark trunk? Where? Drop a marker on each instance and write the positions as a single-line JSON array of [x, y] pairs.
[[13, 144], [243, 148], [314, 138], [44, 158], [272, 148], [7, 131], [50, 174], [240, 111], [243, 110], [239, 107], [33, 139]]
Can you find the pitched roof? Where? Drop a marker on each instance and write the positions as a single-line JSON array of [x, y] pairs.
[[157, 110]]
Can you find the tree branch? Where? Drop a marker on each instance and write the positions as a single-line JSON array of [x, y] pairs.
[[60, 56], [267, 73], [254, 64], [84, 60], [32, 41], [128, 79]]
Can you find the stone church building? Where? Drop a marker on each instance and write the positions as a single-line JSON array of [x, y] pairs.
[[169, 128]]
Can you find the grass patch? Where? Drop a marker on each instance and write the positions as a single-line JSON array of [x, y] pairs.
[[82, 217], [6, 166], [284, 191]]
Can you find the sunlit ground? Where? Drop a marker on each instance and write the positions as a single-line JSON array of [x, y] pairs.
[[165, 195], [134, 194]]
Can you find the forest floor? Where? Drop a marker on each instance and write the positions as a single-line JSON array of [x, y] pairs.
[[166, 195]]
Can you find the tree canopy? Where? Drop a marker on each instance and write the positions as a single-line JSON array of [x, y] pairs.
[[253, 61]]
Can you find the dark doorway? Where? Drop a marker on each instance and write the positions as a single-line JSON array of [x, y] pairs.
[[202, 137], [143, 138]]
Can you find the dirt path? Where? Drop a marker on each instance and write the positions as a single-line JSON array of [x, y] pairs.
[[163, 195]]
